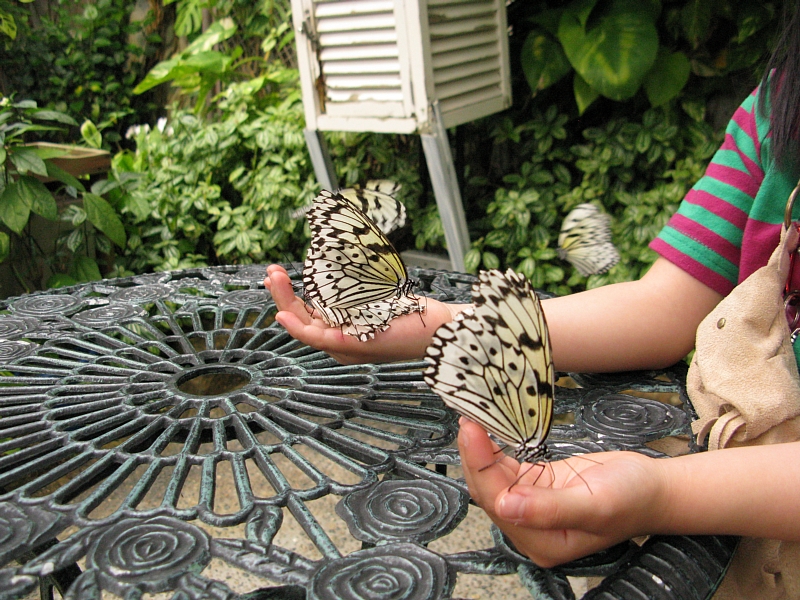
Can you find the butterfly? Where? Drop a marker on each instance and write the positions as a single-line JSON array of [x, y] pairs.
[[352, 276], [493, 364], [585, 240], [377, 200]]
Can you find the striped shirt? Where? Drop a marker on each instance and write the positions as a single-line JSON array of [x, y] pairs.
[[730, 221]]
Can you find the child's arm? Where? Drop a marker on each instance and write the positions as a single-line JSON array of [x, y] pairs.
[[742, 491], [642, 324]]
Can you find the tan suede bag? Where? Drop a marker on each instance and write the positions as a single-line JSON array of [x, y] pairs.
[[745, 387]]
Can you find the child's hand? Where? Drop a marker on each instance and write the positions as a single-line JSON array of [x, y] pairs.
[[407, 337], [559, 519]]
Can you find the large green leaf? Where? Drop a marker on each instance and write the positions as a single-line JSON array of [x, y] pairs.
[[584, 93], [8, 25], [91, 135], [696, 21], [85, 269], [60, 280], [5, 245], [198, 56], [612, 44], [667, 77], [102, 215], [35, 195], [61, 175], [14, 212], [27, 160], [217, 32], [45, 114], [543, 60]]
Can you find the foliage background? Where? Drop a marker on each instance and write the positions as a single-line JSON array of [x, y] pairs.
[[218, 180]]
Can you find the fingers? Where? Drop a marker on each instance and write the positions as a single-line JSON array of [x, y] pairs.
[[280, 286], [487, 471]]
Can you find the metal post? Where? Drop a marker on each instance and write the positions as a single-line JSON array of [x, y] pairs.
[[445, 187], [321, 159]]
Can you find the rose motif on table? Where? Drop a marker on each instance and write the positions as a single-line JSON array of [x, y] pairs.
[[23, 527], [11, 327], [13, 349], [46, 305], [621, 416], [111, 314], [391, 572], [410, 509], [15, 585], [16, 528], [151, 554]]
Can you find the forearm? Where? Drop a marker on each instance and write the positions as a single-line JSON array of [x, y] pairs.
[[649, 323], [753, 491]]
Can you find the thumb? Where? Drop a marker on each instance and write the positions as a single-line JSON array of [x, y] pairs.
[[545, 508]]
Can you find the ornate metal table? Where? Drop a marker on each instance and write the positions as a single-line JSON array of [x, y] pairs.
[[162, 437]]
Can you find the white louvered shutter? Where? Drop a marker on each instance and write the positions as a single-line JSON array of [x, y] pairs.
[[378, 65]]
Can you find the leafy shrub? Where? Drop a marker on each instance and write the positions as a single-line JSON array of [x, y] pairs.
[[79, 61], [221, 190], [94, 225], [615, 48], [638, 170]]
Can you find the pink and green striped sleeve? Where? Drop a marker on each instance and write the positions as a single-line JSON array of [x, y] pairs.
[[704, 237]]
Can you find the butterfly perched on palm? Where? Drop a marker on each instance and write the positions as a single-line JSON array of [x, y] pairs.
[[377, 200], [493, 364], [352, 276], [585, 240]]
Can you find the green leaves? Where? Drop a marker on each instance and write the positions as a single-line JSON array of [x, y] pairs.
[[198, 67], [543, 60], [5, 245], [27, 160], [667, 77], [614, 49], [100, 214], [14, 211]]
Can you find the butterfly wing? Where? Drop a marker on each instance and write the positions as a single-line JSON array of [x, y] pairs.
[[377, 200], [494, 365], [585, 240], [352, 275]]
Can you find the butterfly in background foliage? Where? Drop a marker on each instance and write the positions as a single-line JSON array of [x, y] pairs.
[[352, 276], [493, 364], [377, 200], [585, 240]]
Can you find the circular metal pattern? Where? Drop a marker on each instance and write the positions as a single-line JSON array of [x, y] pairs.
[[109, 314], [246, 298], [252, 272], [46, 305], [15, 526], [13, 327], [150, 554], [396, 571], [621, 416], [9, 350], [418, 511], [129, 406], [141, 294]]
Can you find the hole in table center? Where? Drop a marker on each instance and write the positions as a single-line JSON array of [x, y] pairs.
[[212, 380]]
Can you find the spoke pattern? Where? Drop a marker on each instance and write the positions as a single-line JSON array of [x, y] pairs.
[[154, 425]]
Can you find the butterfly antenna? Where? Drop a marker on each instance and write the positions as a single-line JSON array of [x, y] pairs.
[[586, 483], [291, 264]]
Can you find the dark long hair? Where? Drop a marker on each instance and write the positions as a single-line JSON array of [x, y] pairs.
[[784, 87]]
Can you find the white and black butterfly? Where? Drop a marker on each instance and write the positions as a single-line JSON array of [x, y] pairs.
[[585, 240], [494, 365], [352, 276], [377, 200]]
